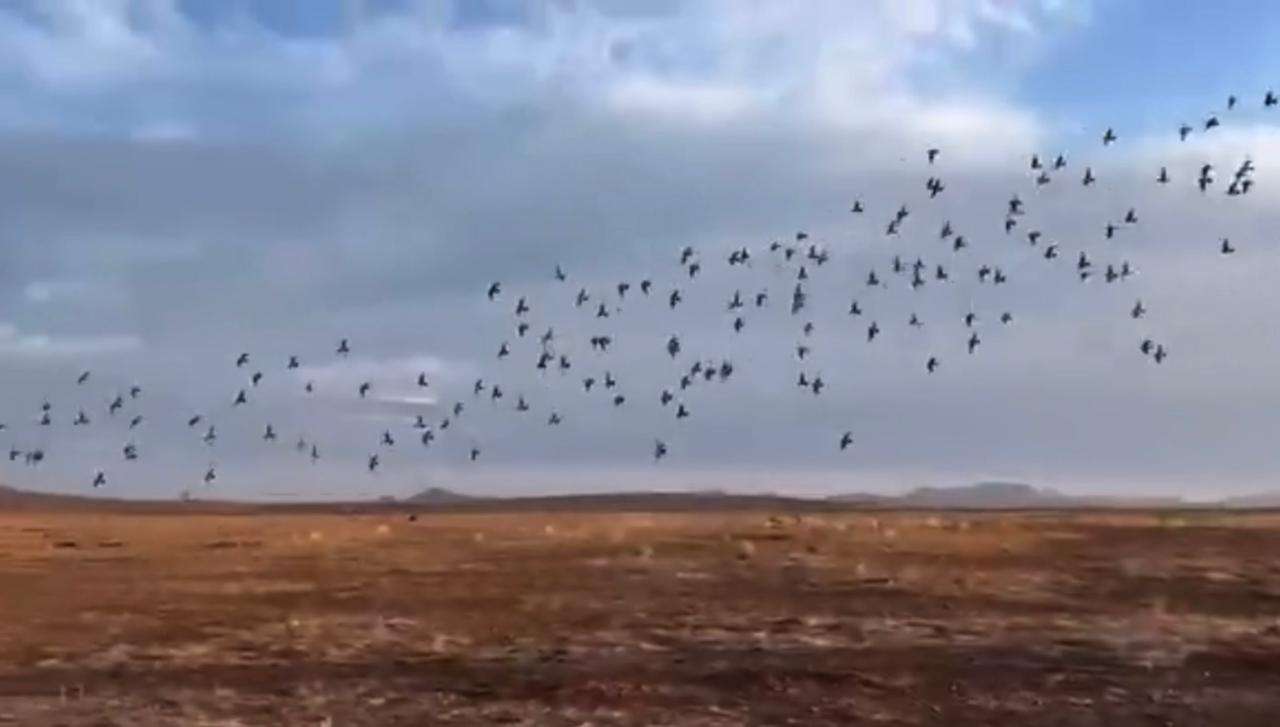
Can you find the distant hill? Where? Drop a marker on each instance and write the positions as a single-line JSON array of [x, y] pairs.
[[998, 496], [1258, 500], [438, 496]]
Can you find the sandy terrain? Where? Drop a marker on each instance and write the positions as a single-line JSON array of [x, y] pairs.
[[616, 618]]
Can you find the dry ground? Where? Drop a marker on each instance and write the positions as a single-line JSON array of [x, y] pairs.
[[621, 618]]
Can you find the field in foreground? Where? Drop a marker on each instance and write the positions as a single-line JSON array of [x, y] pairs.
[[615, 618]]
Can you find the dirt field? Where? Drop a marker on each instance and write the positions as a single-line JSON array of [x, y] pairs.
[[616, 618]]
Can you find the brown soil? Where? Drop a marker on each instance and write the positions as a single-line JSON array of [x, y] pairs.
[[630, 618]]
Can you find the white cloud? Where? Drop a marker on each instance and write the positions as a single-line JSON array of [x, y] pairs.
[[41, 345]]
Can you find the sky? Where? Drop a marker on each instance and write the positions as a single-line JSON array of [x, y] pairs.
[[182, 181]]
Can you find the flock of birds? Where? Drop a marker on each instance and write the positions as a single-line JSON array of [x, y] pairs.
[[798, 258]]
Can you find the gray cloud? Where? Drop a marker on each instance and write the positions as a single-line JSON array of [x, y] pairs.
[[374, 183]]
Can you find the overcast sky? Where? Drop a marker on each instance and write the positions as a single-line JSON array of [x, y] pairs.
[[186, 180]]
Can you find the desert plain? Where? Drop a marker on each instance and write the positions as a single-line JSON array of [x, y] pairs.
[[390, 615]]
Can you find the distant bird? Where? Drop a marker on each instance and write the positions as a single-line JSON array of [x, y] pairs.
[[194, 420], [99, 479], [1164, 176], [1138, 310], [681, 412], [134, 422], [81, 419], [1226, 248], [241, 398], [673, 346], [854, 309], [553, 420], [269, 435], [387, 439], [344, 348], [211, 435], [494, 290], [522, 307], [135, 391], [364, 389], [1088, 177], [1146, 346], [1109, 137], [973, 342], [256, 378], [674, 298], [373, 461], [1006, 318], [857, 207], [659, 449], [1160, 354], [1183, 132], [645, 285], [475, 453], [422, 380], [872, 331], [241, 360], [1211, 123], [130, 452], [293, 363], [210, 475], [560, 274], [846, 440], [932, 154], [82, 379], [1269, 100], [931, 365]]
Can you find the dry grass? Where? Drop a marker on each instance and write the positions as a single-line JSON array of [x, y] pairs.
[[619, 618]]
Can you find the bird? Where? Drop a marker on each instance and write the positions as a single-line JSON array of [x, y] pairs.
[[1109, 137], [1088, 177], [495, 289], [422, 380], [293, 363], [344, 348], [364, 389], [673, 346], [1184, 131], [846, 441], [973, 342], [681, 411], [387, 439], [211, 436], [1160, 354], [1226, 248], [475, 453], [134, 422], [84, 377], [1138, 310], [659, 449], [135, 391], [1163, 178], [241, 398], [872, 331], [242, 360], [269, 435], [560, 276], [99, 479], [256, 378], [373, 463], [932, 364], [1146, 346], [932, 154]]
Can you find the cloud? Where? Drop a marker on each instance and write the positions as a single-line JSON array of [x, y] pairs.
[[42, 345], [237, 184]]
